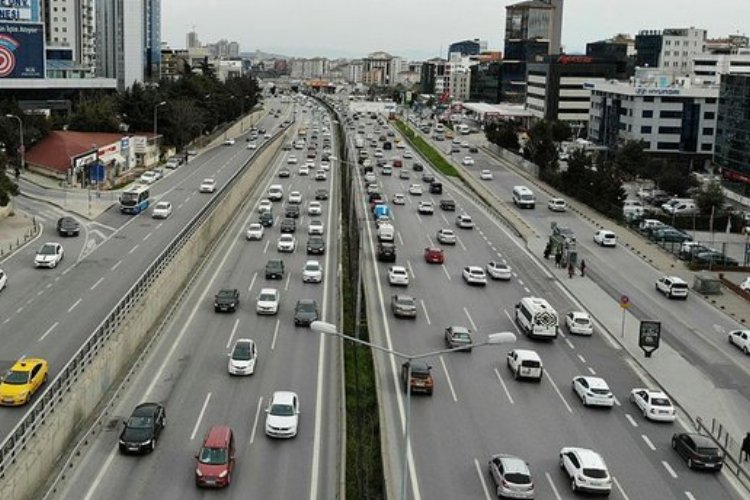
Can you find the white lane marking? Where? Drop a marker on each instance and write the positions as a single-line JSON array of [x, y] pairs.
[[689, 495], [30, 301], [400, 239], [75, 305], [159, 225], [275, 334], [622, 492], [669, 468], [445, 218], [133, 249], [515, 325], [471, 321], [148, 236], [570, 344], [481, 480], [66, 271], [562, 398], [411, 269], [631, 420], [257, 419], [252, 281], [445, 270], [648, 442], [612, 343], [265, 248], [100, 475], [583, 360], [97, 283], [591, 370], [424, 309], [460, 242], [552, 485], [286, 285], [49, 330], [448, 378], [6, 320], [617, 401], [505, 387], [19, 310], [200, 416], [40, 292], [234, 330], [116, 265], [49, 285]]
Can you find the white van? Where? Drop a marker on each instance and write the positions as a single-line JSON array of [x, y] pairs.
[[536, 318], [386, 232], [523, 197], [275, 192]]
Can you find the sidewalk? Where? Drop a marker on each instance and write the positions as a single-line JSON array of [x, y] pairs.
[[17, 229]]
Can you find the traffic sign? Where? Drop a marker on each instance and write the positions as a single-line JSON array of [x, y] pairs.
[[624, 301]]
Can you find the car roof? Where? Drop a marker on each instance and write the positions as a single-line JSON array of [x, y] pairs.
[[475, 269], [527, 353], [145, 409], [283, 397], [26, 364], [217, 436], [269, 290], [398, 268], [675, 279], [457, 329], [700, 440], [494, 263], [512, 463], [419, 367], [596, 382], [244, 341], [589, 458], [306, 301], [580, 314]]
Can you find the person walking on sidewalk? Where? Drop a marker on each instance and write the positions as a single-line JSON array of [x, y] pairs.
[[547, 250], [558, 258], [745, 450], [583, 267], [571, 270]]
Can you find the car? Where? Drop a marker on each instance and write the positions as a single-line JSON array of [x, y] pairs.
[[398, 199], [291, 160], [370, 177], [314, 208], [474, 275], [229, 142], [173, 163], [227, 300], [468, 160], [415, 189], [557, 205], [511, 477], [285, 172], [265, 219], [586, 470], [417, 167], [404, 174], [208, 185], [321, 194], [398, 276], [274, 269], [387, 170], [434, 255], [486, 175], [143, 428], [464, 221], [3, 280], [458, 337], [295, 197], [252, 145], [49, 255], [416, 376], [316, 245], [267, 301], [498, 270], [655, 405], [579, 323], [428, 178], [593, 391], [288, 225], [448, 205], [386, 252], [408, 155], [216, 458], [148, 177], [282, 415], [672, 287], [162, 210], [698, 451], [291, 211], [605, 238], [426, 208], [715, 258], [286, 243], [473, 149], [315, 226], [739, 338], [312, 272], [745, 285], [670, 235], [403, 306], [22, 380], [243, 357], [305, 312], [68, 226], [320, 175], [446, 236], [525, 363], [325, 164]]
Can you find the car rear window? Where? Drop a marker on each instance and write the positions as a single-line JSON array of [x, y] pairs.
[[679, 286], [595, 473], [707, 451], [530, 363], [660, 402], [517, 478], [582, 321]]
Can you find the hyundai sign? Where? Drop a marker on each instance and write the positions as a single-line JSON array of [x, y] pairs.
[[21, 50]]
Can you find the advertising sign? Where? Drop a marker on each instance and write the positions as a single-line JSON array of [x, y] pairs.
[[21, 50], [26, 11], [649, 336]]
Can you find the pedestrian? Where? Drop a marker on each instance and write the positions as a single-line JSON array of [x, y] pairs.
[[547, 250], [745, 448], [558, 259], [583, 267], [571, 270]]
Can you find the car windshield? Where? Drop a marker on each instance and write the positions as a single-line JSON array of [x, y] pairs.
[[707, 451], [280, 410], [595, 473], [242, 352], [162, 205], [312, 267], [16, 378], [47, 250], [140, 422], [213, 456], [306, 307], [225, 294], [267, 297], [405, 301], [660, 402]]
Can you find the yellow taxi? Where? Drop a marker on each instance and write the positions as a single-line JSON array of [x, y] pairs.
[[22, 380]]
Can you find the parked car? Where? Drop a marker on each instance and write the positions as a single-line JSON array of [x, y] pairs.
[[670, 235], [714, 258]]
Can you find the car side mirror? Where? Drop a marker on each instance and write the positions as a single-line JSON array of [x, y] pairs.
[[229, 354]]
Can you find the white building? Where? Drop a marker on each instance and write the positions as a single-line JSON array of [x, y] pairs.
[[459, 80], [354, 71], [679, 47], [71, 27], [120, 40], [710, 67]]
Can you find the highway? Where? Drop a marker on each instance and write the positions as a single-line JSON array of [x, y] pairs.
[[187, 372], [477, 408]]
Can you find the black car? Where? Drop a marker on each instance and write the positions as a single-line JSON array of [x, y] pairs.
[[436, 187], [321, 194], [305, 312], [417, 167], [699, 451], [266, 219], [292, 211], [427, 177], [275, 269], [143, 428], [316, 245], [228, 299], [448, 205], [714, 258], [386, 252], [288, 225], [473, 149], [284, 172], [387, 145], [68, 226]]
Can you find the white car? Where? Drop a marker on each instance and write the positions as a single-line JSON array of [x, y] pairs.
[[282, 415], [400, 145], [208, 185], [525, 363], [474, 275], [397, 275], [251, 146], [557, 205], [745, 285], [295, 198], [370, 177], [148, 177], [267, 301], [486, 175], [655, 405], [586, 470], [229, 142], [291, 160], [593, 391], [3, 280], [314, 208], [243, 357], [740, 338], [579, 323], [464, 221], [415, 189], [265, 205], [162, 210], [304, 170], [378, 153], [254, 232], [286, 243], [49, 255], [315, 227], [325, 165], [310, 164], [426, 207], [312, 272], [605, 238], [498, 270], [446, 236], [398, 199], [468, 160], [321, 175], [408, 155]]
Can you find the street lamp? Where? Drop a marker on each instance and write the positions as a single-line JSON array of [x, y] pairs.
[[156, 135], [20, 131], [492, 339]]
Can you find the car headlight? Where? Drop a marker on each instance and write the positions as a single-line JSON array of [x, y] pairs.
[[223, 474], [198, 473]]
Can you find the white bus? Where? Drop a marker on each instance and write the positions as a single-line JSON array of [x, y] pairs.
[[536, 318], [134, 200]]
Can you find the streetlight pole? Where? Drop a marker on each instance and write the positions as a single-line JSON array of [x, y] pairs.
[[156, 135], [492, 339], [20, 131]]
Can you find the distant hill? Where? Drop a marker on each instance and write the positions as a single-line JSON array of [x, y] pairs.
[[259, 54]]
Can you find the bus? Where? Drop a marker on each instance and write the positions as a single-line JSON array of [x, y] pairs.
[[134, 200]]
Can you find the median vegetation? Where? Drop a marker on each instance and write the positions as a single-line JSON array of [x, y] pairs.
[[425, 149]]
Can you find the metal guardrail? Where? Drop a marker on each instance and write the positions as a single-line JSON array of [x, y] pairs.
[[730, 447], [44, 406]]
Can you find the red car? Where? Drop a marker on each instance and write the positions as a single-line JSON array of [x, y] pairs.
[[215, 460], [397, 163], [434, 255]]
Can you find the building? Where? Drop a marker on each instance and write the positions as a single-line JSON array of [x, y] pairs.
[[70, 30], [557, 89], [432, 70], [224, 49], [317, 67], [672, 50], [353, 71], [732, 149], [672, 116], [192, 40], [152, 39], [728, 45], [379, 68], [484, 83], [467, 47], [459, 83], [648, 44], [120, 41], [620, 49], [711, 67]]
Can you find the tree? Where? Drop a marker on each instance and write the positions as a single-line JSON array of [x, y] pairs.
[[8, 188], [184, 120], [560, 131], [632, 160], [541, 148], [504, 134], [710, 199], [97, 114], [674, 178]]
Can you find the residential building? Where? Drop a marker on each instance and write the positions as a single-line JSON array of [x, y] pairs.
[[467, 47], [192, 40], [732, 150], [70, 31], [711, 67], [379, 68], [317, 67], [459, 82], [432, 69], [728, 45], [672, 50], [484, 83], [354, 71], [120, 41]]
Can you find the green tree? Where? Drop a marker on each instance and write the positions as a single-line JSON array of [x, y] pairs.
[[541, 148], [674, 179], [504, 134], [710, 198], [184, 121], [97, 114], [560, 131], [632, 159], [8, 188]]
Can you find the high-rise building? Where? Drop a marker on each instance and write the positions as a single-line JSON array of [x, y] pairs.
[[710, 68], [484, 85], [192, 40], [732, 149], [432, 70], [620, 49], [120, 41], [70, 35], [378, 68], [459, 83], [152, 39]]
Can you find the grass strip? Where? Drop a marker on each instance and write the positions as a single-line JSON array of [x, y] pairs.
[[426, 150]]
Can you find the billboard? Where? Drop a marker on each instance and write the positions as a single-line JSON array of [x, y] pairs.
[[21, 50], [26, 11]]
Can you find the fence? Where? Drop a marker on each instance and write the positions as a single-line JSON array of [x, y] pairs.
[[730, 446]]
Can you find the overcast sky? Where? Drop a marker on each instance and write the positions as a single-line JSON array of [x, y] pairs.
[[419, 29]]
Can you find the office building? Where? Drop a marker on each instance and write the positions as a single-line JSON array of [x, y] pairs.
[[380, 68], [620, 49], [711, 67], [467, 47], [672, 50], [732, 150], [484, 83], [459, 82], [432, 70], [152, 39], [70, 30], [120, 41]]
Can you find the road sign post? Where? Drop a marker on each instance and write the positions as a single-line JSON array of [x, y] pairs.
[[649, 336], [624, 304]]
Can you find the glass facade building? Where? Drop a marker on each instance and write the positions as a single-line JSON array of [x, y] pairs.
[[732, 146]]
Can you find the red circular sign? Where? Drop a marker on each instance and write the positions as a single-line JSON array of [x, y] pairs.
[[624, 299]]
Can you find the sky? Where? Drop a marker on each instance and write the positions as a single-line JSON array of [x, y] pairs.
[[420, 29]]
